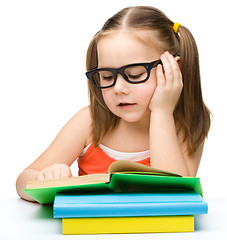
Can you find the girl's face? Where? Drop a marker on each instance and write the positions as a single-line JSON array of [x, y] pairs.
[[128, 101]]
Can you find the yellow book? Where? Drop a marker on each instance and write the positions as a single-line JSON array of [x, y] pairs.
[[154, 224]]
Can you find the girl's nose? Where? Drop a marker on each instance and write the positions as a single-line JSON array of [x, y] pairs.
[[121, 85]]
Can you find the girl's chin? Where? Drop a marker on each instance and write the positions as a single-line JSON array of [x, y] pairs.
[[135, 118]]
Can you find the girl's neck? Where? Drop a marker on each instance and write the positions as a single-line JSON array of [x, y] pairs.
[[128, 136], [141, 125]]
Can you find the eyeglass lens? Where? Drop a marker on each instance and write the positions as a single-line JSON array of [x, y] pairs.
[[105, 78]]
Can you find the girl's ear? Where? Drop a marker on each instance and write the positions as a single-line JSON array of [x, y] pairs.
[[178, 60]]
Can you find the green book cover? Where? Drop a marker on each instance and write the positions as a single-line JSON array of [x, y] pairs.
[[120, 182], [130, 182], [124, 176]]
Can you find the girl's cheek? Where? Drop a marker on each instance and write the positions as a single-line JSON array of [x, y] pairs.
[[152, 84], [106, 97], [147, 92]]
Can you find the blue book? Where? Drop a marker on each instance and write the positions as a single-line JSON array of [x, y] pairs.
[[129, 204]]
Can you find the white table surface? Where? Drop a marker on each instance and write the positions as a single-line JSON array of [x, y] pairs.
[[25, 220]]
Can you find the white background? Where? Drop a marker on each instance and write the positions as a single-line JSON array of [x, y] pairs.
[[43, 46]]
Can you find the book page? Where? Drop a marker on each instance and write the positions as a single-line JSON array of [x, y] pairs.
[[80, 180], [128, 166]]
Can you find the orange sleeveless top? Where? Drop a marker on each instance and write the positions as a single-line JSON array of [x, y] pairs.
[[96, 161]]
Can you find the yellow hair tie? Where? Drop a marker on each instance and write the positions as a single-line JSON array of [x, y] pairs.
[[175, 27]]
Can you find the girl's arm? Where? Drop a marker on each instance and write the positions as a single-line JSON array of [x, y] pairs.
[[56, 160], [168, 152]]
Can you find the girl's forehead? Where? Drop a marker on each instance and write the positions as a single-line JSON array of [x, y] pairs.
[[128, 47], [146, 37]]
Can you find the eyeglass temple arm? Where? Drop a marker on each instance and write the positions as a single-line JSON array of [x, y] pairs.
[[160, 62]]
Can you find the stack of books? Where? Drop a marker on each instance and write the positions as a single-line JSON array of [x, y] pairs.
[[131, 199], [128, 212]]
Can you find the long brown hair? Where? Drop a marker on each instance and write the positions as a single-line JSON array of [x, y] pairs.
[[191, 112]]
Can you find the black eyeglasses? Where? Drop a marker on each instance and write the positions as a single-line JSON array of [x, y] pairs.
[[132, 73]]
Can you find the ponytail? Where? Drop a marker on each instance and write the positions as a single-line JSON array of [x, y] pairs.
[[191, 112]]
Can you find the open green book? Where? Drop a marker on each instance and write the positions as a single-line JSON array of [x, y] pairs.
[[124, 176]]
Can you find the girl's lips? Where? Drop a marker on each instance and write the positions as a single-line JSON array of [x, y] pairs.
[[126, 105]]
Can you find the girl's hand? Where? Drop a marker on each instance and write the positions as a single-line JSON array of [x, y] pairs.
[[55, 171], [169, 85]]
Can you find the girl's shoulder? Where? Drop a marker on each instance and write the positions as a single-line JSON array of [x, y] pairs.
[[81, 124], [83, 114]]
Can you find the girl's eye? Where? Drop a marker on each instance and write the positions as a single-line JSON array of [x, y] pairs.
[[136, 73], [107, 78], [135, 76]]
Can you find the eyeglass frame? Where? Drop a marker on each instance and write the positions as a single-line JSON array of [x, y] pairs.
[[115, 71]]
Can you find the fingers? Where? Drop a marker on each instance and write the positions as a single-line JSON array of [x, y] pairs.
[[169, 85], [160, 75], [40, 177], [167, 68], [55, 171], [65, 172], [171, 69]]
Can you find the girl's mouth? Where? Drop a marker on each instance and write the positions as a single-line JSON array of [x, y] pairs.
[[126, 105]]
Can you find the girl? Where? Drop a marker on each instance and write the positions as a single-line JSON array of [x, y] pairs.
[[146, 103]]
